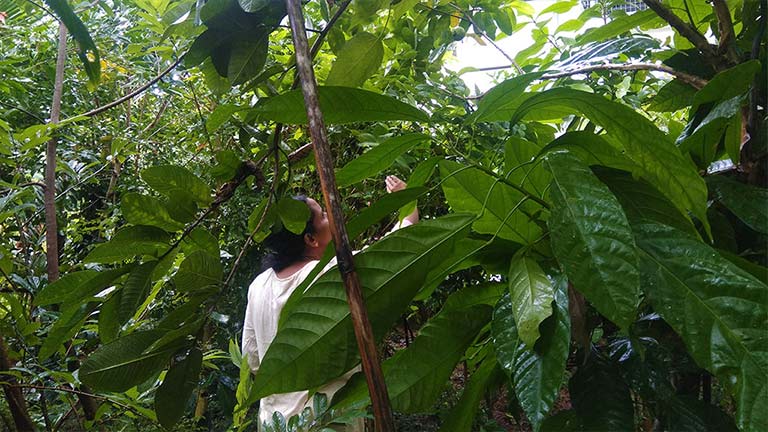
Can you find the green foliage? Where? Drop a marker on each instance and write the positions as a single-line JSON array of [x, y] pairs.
[[358, 59], [87, 51], [377, 159], [172, 395], [531, 296]]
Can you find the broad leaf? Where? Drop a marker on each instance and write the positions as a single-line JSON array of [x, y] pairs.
[[601, 398], [747, 202], [531, 293], [74, 287], [69, 322], [87, 51], [173, 394], [146, 210], [128, 243], [377, 159], [358, 59], [294, 214], [701, 139], [339, 105], [727, 84], [674, 96], [522, 169], [315, 341], [172, 180], [198, 270], [592, 240], [120, 365], [461, 417], [620, 25], [603, 51], [471, 190], [109, 323], [249, 53], [536, 373], [220, 115], [717, 309], [592, 150], [689, 414], [496, 101], [135, 290], [658, 160]]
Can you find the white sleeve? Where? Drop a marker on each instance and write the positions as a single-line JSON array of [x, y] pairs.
[[249, 345]]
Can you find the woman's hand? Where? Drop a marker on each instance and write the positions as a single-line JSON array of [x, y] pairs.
[[394, 184]]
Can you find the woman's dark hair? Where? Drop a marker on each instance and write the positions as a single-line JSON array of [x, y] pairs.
[[285, 247]]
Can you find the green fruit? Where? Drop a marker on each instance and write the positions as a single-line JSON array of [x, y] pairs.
[[458, 33]]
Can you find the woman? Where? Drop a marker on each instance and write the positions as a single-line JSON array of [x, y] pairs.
[[292, 258]]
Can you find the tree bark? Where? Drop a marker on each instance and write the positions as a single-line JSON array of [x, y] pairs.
[[324, 160], [13, 395]]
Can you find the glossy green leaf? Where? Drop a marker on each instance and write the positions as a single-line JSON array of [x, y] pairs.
[[717, 309], [220, 115], [253, 5], [120, 365], [592, 240], [73, 287], [688, 414], [756, 270], [467, 190], [495, 103], [536, 374], [658, 160], [129, 242], [642, 203], [249, 53], [135, 290], [315, 340], [592, 150], [294, 214], [172, 180], [227, 165], [462, 416], [674, 96], [86, 50], [109, 323], [702, 139], [531, 294], [145, 210], [559, 7], [69, 322], [198, 270], [200, 239], [601, 398], [619, 25], [460, 258], [522, 169], [747, 202], [605, 50], [339, 105], [358, 60], [728, 83], [377, 159], [172, 397]]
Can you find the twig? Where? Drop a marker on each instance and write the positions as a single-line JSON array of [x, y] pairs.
[[686, 30], [38, 184], [693, 80], [23, 110], [48, 11], [77, 392], [134, 93], [321, 37]]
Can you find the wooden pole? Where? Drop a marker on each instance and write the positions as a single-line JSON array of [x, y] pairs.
[[324, 160]]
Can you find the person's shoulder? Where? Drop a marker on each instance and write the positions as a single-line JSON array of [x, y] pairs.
[[261, 279]]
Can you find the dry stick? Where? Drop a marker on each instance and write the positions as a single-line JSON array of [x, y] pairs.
[[324, 161], [693, 80]]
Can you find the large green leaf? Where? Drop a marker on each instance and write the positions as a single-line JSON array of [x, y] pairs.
[[109, 323], [87, 51], [592, 240], [129, 242], [536, 373], [315, 341], [717, 309], [619, 25], [294, 214], [68, 323], [603, 51], [728, 84], [520, 167], [249, 53], [460, 258], [339, 105], [73, 287], [593, 150], [658, 160], [135, 290], [145, 210], [601, 398], [462, 416], [531, 295], [467, 190], [747, 202], [358, 59], [120, 365], [199, 270], [173, 394], [377, 159], [172, 180], [701, 139], [417, 375], [674, 96], [496, 101], [642, 203]]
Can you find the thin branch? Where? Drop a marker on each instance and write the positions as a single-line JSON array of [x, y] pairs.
[[38, 184], [25, 111], [134, 93], [48, 11], [321, 37], [77, 392], [693, 80], [686, 30], [491, 41], [727, 34]]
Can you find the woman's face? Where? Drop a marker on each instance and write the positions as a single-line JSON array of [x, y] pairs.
[[320, 222]]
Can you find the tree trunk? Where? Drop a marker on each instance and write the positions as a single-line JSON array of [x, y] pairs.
[[13, 395]]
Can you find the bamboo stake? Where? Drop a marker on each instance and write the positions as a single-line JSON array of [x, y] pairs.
[[324, 160]]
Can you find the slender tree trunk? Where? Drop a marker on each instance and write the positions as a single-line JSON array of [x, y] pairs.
[[51, 227], [13, 395]]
